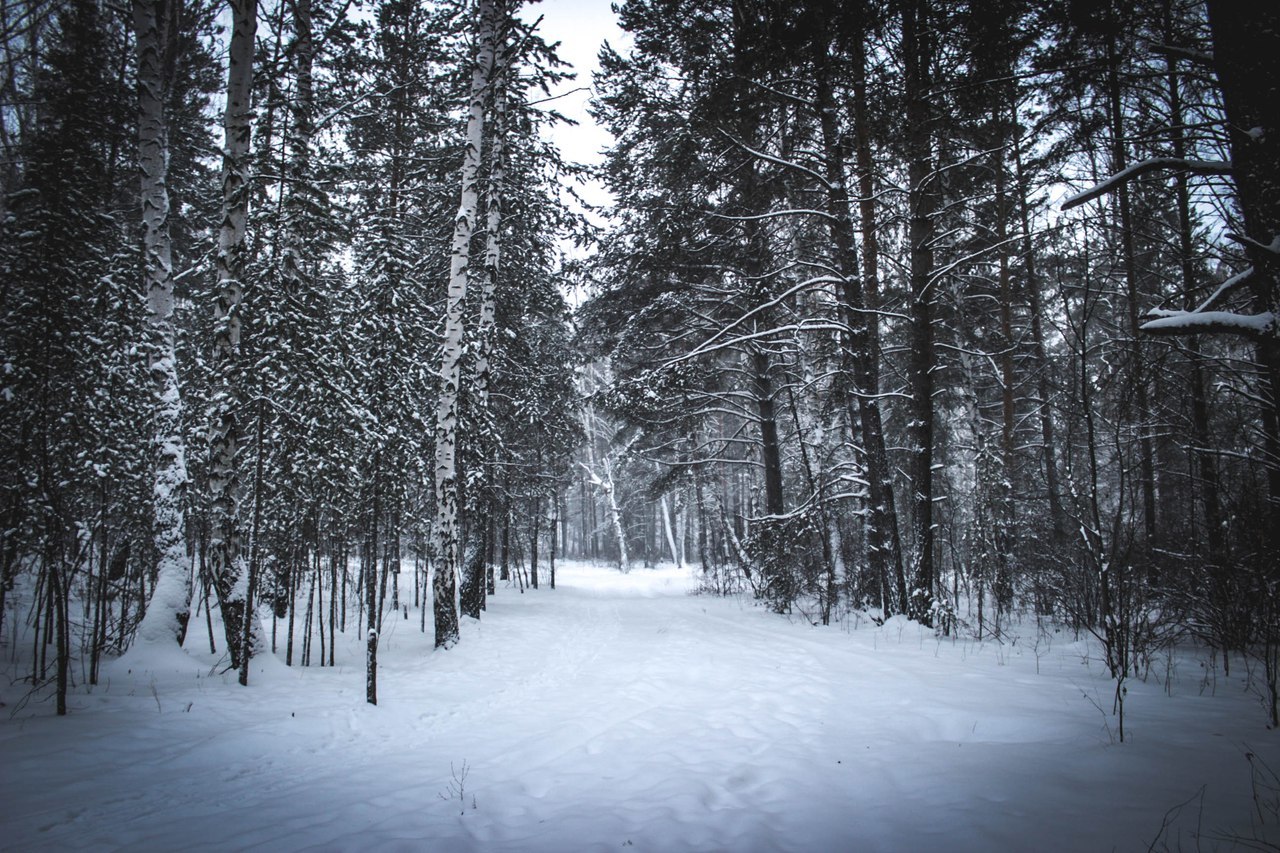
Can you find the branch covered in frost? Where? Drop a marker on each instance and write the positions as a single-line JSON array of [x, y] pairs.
[[1226, 287], [1210, 322], [1154, 164]]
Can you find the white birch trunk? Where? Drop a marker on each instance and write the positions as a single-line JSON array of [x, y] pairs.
[[605, 485], [615, 513], [230, 573], [666, 527], [682, 526], [170, 607], [493, 240], [445, 531], [474, 554]]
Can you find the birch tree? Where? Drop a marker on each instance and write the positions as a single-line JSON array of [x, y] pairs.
[[475, 553], [169, 610], [233, 580], [445, 531]]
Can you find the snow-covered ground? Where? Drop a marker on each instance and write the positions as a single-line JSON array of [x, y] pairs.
[[622, 713]]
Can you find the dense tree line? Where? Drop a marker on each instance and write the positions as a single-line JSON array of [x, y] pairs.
[[953, 310], [226, 351], [857, 320]]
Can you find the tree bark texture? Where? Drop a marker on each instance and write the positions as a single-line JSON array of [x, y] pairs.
[[229, 571], [169, 610], [445, 531]]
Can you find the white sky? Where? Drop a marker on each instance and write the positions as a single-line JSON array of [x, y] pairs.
[[580, 26]]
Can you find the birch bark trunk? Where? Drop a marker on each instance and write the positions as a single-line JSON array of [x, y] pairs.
[[170, 608], [478, 526], [229, 571], [445, 530], [665, 509]]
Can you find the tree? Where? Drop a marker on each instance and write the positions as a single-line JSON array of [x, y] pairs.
[[445, 530], [235, 584], [169, 610]]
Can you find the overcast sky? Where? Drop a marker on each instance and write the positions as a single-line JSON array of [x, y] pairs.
[[580, 26]]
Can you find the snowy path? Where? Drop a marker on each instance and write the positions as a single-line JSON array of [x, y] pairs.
[[620, 713]]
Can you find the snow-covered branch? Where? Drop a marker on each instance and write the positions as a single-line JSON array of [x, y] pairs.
[[772, 214], [1210, 322], [1153, 164], [779, 161], [1226, 287]]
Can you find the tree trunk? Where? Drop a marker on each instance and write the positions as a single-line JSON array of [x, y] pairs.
[[1206, 467], [1137, 372], [1248, 66], [533, 543], [170, 608], [445, 577], [555, 529], [1004, 532], [478, 496], [1057, 515], [231, 576], [667, 529], [770, 451], [862, 350], [922, 203]]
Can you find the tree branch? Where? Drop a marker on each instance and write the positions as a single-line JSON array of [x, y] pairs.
[[1195, 167], [1210, 322]]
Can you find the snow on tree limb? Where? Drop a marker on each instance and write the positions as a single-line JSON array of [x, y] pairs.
[[1153, 164], [1272, 248], [1226, 287], [1210, 322]]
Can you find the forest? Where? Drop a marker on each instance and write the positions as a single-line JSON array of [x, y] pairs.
[[964, 312]]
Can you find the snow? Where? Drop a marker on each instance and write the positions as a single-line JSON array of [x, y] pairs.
[[1228, 321], [621, 712]]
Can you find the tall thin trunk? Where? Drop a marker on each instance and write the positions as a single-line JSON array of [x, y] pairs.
[[369, 586], [862, 349], [533, 543], [770, 449], [1057, 515], [254, 548], [555, 531], [170, 608], [878, 471], [1004, 522], [230, 573], [922, 203], [333, 603], [445, 578], [1137, 372], [60, 596], [665, 510], [1206, 465]]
